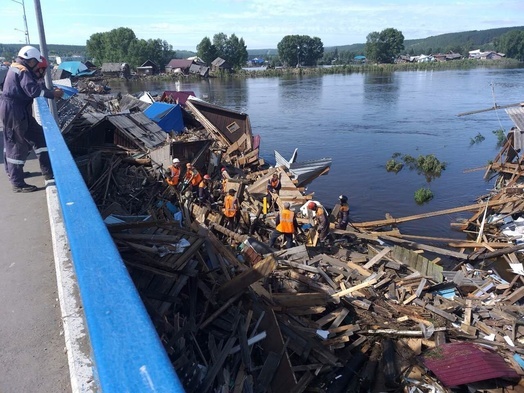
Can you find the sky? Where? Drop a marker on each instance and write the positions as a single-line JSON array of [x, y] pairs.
[[261, 23]]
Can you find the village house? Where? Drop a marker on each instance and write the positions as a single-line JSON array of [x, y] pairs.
[[487, 55], [180, 66], [148, 68], [116, 70], [220, 64]]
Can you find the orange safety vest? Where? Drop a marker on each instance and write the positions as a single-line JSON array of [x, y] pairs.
[[202, 184], [229, 206], [286, 222], [194, 176], [175, 176], [274, 183]]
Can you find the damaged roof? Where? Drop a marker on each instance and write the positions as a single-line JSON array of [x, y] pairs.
[[461, 363]]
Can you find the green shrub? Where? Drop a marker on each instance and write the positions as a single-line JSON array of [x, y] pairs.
[[394, 166], [478, 138], [501, 137], [423, 195]]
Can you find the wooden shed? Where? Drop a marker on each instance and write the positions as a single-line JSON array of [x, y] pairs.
[[116, 70], [148, 68]]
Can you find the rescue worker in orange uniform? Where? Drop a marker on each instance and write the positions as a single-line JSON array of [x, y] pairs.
[[192, 178], [321, 221], [204, 190], [231, 207], [273, 187], [286, 225], [343, 213], [174, 173]]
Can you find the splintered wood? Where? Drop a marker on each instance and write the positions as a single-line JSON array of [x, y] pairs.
[[353, 314]]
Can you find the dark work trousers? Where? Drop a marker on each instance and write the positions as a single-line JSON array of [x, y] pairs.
[[20, 134], [274, 236]]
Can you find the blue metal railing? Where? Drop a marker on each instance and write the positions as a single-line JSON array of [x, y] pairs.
[[128, 354]]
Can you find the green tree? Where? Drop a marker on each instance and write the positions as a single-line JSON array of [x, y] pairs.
[[385, 46], [121, 45], [206, 50], [232, 49], [511, 44], [300, 50]]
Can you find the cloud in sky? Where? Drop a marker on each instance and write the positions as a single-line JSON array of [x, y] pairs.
[[261, 23]]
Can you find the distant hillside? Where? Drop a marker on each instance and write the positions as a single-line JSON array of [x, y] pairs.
[[475, 39]]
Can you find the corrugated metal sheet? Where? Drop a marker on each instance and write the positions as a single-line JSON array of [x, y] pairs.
[[517, 116], [461, 363], [139, 128]]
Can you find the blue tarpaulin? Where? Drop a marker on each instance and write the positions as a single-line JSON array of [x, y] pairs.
[[76, 68], [167, 116]]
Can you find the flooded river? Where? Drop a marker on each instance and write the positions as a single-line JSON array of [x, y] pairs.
[[361, 120]]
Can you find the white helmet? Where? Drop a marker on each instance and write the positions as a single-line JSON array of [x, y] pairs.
[[176, 161], [30, 52]]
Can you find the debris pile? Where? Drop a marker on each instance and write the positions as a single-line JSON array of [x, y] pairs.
[[370, 310]]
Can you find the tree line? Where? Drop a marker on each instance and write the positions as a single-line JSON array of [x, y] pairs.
[[122, 45]]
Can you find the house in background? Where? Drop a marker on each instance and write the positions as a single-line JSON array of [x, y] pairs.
[[116, 70], [220, 64], [199, 69], [180, 66], [488, 55], [148, 68]]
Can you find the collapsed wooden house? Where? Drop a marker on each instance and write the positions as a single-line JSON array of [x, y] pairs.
[[372, 311]]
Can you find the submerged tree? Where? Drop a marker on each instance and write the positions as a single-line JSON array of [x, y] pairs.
[[300, 50], [385, 46]]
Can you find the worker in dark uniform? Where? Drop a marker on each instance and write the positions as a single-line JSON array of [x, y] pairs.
[[286, 224], [321, 221], [343, 213], [204, 191], [21, 129]]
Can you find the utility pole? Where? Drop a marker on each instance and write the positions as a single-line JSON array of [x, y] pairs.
[[43, 50], [27, 40]]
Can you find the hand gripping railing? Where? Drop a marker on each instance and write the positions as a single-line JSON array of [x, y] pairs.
[[128, 355]]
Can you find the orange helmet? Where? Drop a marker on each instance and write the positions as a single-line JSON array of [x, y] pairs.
[[311, 205], [207, 177], [223, 169]]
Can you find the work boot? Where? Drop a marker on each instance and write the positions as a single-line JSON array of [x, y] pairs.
[[24, 188]]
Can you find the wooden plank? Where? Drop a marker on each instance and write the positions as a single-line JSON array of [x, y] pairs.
[[377, 258], [284, 379], [436, 310], [299, 299], [251, 275], [393, 221], [355, 288]]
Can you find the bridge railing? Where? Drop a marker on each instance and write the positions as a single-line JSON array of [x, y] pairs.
[[127, 352]]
